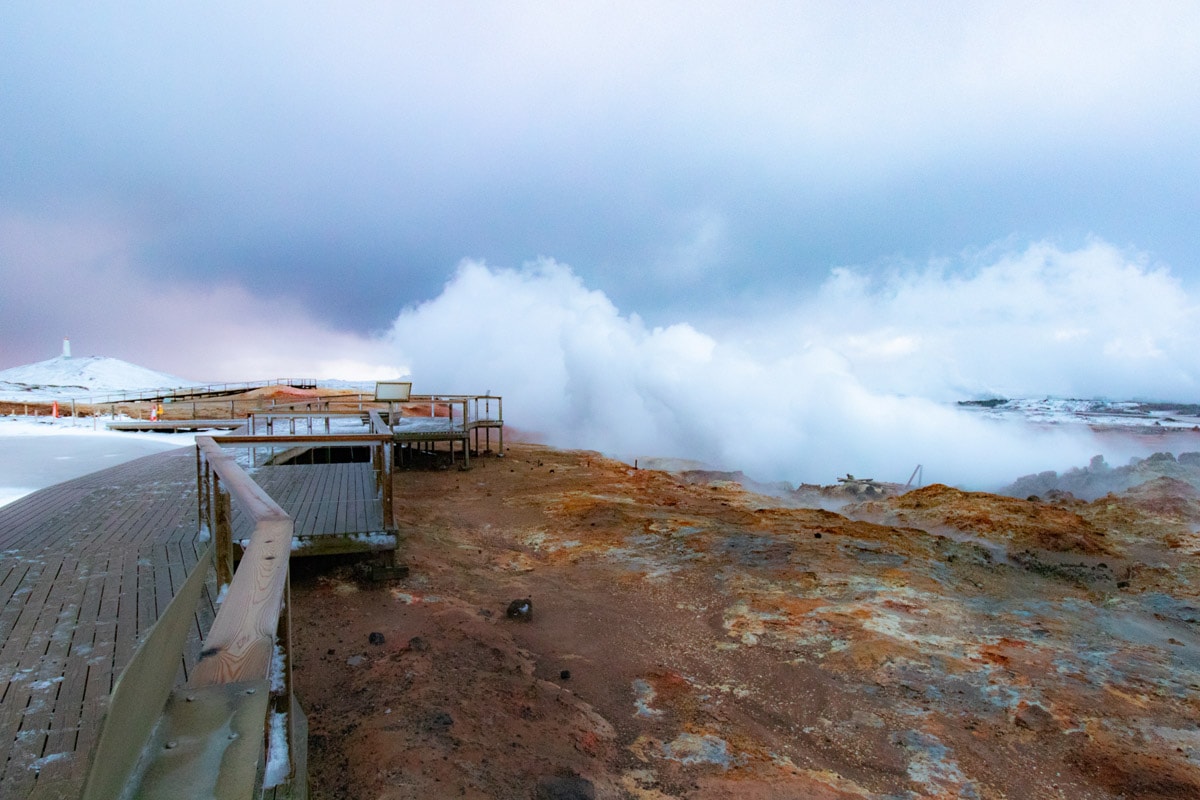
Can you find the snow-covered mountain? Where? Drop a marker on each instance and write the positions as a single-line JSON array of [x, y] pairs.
[[80, 377]]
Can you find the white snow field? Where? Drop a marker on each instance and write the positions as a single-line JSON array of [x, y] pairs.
[[36, 452], [40, 451], [64, 377]]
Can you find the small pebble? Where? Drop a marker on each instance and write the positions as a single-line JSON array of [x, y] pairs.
[[375, 638], [565, 675]]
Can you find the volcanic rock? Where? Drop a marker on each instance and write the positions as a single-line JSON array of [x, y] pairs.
[[520, 610]]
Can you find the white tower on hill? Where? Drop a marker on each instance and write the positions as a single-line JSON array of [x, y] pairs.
[[66, 347]]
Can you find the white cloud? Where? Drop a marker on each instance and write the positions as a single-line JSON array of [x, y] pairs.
[[1084, 323], [847, 381]]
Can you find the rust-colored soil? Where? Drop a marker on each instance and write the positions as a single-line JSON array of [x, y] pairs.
[[692, 640]]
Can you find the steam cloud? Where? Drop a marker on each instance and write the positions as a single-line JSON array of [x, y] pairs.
[[852, 380]]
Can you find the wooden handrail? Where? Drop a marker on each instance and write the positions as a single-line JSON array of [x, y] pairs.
[[241, 641], [304, 438], [378, 425], [256, 502]]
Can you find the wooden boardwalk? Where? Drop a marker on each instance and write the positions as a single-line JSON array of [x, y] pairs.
[[87, 567], [321, 499]]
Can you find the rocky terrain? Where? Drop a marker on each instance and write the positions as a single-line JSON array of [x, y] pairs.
[[1098, 478], [688, 638]]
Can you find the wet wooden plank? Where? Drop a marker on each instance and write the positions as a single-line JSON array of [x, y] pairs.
[[88, 566], [39, 669], [50, 732], [64, 727]]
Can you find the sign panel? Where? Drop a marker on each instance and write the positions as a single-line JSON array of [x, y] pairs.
[[393, 391]]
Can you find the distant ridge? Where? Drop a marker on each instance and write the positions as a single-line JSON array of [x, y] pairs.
[[63, 376]]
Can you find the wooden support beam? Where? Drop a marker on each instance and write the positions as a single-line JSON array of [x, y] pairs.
[[223, 537]]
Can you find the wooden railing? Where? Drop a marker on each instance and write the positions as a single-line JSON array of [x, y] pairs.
[[209, 739], [195, 390], [458, 418], [235, 729], [241, 641]]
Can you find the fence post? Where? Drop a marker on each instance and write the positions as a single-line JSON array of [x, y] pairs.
[[223, 535], [386, 475], [199, 488]]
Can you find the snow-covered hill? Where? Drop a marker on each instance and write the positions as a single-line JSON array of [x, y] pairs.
[[81, 377]]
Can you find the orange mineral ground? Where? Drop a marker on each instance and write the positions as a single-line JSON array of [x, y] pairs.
[[691, 639]]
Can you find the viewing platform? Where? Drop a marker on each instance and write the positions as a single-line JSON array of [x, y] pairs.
[[149, 600]]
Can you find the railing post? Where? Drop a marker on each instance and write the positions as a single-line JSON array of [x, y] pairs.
[[377, 465], [205, 493], [223, 535], [199, 487], [386, 473]]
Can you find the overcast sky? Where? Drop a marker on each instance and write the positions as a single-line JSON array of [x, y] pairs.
[[240, 190]]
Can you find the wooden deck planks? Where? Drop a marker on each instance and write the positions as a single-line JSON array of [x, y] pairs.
[[322, 499], [87, 565]]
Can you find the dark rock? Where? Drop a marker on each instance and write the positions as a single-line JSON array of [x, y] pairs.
[[418, 644], [565, 675], [564, 787], [375, 638], [439, 722], [520, 610], [1033, 717]]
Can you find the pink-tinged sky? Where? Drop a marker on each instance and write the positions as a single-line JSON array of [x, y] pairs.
[[941, 200]]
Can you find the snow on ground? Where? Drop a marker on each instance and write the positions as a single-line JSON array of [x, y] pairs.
[[40, 451], [1108, 413], [17, 425], [36, 452], [65, 377]]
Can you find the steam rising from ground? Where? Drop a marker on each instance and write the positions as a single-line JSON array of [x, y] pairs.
[[853, 380]]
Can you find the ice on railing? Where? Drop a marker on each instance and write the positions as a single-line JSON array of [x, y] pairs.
[[425, 424], [373, 539], [278, 758], [278, 669]]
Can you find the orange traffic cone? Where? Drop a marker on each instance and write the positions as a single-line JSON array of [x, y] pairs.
[[54, 410]]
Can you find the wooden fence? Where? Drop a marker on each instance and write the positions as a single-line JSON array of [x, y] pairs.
[[235, 729]]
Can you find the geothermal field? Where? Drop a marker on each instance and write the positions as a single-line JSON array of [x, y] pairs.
[[572, 626], [689, 638]]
